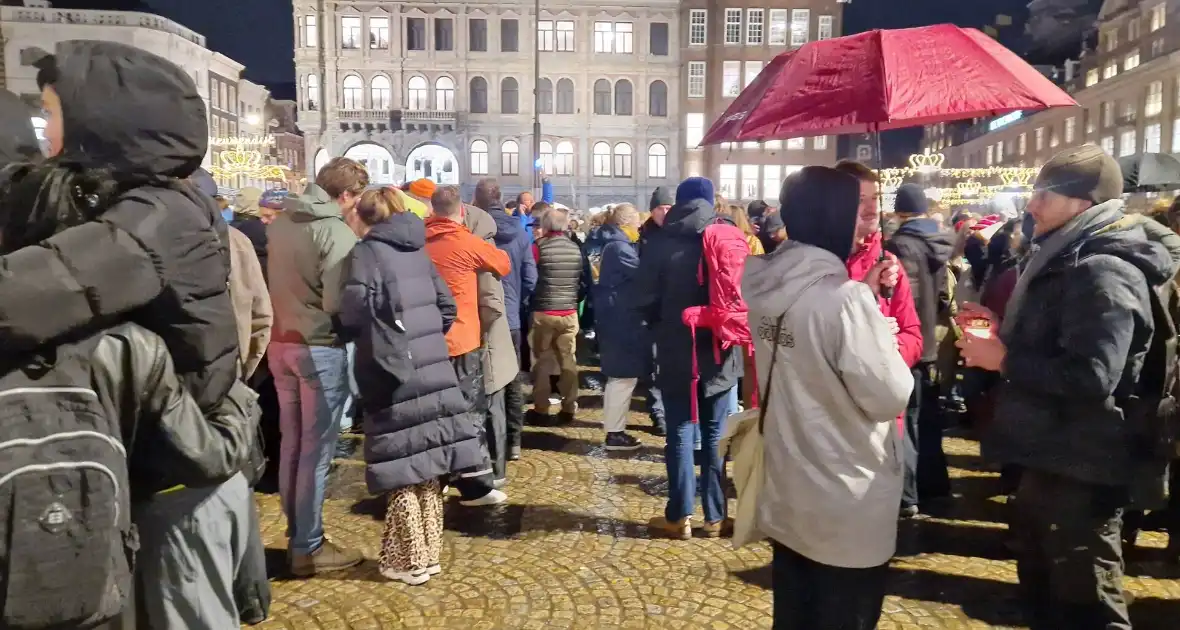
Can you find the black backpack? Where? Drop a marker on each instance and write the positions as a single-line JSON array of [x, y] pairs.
[[1153, 412], [66, 535]]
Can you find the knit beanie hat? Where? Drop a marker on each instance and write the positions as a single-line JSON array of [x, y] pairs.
[[663, 196], [1085, 172], [910, 199], [694, 188], [423, 188], [756, 209]]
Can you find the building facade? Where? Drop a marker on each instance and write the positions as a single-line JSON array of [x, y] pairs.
[[723, 48], [1127, 89], [446, 91]]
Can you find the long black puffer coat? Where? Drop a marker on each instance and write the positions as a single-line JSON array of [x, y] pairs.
[[398, 309]]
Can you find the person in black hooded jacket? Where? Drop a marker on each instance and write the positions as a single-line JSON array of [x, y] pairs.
[[159, 249]]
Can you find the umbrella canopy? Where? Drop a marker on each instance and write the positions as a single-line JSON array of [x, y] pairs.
[[884, 79], [1150, 172]]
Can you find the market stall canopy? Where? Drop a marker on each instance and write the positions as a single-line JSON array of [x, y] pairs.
[[882, 80], [1150, 172]]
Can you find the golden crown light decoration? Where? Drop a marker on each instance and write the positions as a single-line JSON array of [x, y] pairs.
[[927, 163], [241, 157], [969, 188], [1012, 180]]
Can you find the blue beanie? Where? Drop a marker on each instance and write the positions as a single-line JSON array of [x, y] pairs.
[[694, 188], [204, 182], [911, 199]]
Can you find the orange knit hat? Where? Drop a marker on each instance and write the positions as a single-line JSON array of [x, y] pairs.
[[422, 188]]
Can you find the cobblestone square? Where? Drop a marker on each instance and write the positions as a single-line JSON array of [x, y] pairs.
[[570, 550]]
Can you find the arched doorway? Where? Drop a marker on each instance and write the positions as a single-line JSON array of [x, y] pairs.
[[379, 162], [434, 162], [321, 159]]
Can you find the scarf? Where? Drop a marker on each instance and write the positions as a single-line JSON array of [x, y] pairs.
[[1041, 254]]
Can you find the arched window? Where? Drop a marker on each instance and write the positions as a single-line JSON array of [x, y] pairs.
[[565, 96], [545, 96], [479, 157], [479, 95], [657, 99], [622, 160], [313, 92], [509, 96], [623, 98], [444, 94], [380, 92], [657, 161], [601, 155], [354, 92], [417, 93], [564, 165], [602, 97], [510, 158], [546, 156]]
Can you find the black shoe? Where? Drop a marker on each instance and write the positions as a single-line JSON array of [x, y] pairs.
[[659, 428], [534, 419], [514, 452], [565, 417], [345, 448], [622, 441]]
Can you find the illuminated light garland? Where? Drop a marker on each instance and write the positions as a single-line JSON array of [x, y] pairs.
[[969, 188], [241, 142], [927, 163], [246, 163], [930, 165]]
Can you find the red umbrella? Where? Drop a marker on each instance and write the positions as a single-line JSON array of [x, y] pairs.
[[884, 79]]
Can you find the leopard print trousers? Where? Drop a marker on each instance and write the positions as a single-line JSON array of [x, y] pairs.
[[413, 528]]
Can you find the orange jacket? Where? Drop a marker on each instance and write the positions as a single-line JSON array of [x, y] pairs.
[[458, 254]]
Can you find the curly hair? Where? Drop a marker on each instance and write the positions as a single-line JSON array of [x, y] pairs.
[[40, 199]]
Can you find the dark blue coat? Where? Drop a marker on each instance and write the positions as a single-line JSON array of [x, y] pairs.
[[666, 285], [397, 308], [515, 241], [624, 345]]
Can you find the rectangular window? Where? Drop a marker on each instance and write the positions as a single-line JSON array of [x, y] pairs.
[[1151, 138], [604, 37], [624, 38], [825, 27], [1112, 39], [694, 130], [379, 33], [1159, 16], [565, 36], [444, 34], [1091, 77], [1107, 115], [778, 27], [1070, 129], [1157, 47], [350, 32], [773, 145], [727, 182], [1127, 143], [477, 33], [771, 181], [310, 34], [659, 39], [750, 181], [1176, 136], [1089, 117], [545, 35], [415, 33], [752, 70], [1131, 61], [999, 152], [1155, 99], [509, 35], [754, 19], [733, 26], [750, 145], [1022, 144], [1111, 70], [991, 155], [698, 24], [1133, 29], [796, 144], [696, 79], [800, 26], [1039, 134], [820, 143], [731, 79]]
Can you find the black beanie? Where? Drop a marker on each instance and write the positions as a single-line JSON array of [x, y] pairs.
[[910, 199]]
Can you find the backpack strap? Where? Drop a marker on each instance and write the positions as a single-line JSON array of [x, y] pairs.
[[778, 329]]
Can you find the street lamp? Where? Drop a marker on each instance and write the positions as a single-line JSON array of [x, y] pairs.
[[253, 119]]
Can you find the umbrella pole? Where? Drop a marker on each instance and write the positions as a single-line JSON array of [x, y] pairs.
[[879, 162]]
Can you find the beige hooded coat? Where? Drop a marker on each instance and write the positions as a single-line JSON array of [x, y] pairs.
[[499, 360]]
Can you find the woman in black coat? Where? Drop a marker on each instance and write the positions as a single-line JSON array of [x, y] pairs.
[[417, 427]]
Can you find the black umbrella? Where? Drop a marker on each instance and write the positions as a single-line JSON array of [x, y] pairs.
[[1150, 172]]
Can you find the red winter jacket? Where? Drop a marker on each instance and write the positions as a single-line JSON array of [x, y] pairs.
[[900, 306]]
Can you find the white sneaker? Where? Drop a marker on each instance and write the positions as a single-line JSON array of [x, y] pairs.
[[554, 401], [433, 569], [499, 483], [407, 577], [495, 497]]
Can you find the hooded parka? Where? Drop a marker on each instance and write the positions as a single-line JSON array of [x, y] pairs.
[[624, 343], [397, 308], [500, 364]]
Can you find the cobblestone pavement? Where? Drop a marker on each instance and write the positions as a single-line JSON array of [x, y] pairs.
[[570, 550]]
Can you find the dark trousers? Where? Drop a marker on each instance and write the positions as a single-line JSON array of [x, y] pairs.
[[495, 428], [934, 480], [474, 483], [813, 596], [1069, 553], [251, 586], [514, 400], [909, 444]]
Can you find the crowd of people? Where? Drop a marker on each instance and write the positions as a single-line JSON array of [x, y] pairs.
[[140, 329]]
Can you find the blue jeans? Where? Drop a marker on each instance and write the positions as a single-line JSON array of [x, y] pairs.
[[682, 484], [314, 394], [346, 418], [732, 398]]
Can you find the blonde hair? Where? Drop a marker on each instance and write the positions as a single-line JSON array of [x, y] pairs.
[[739, 216], [624, 214], [600, 219], [378, 205]]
